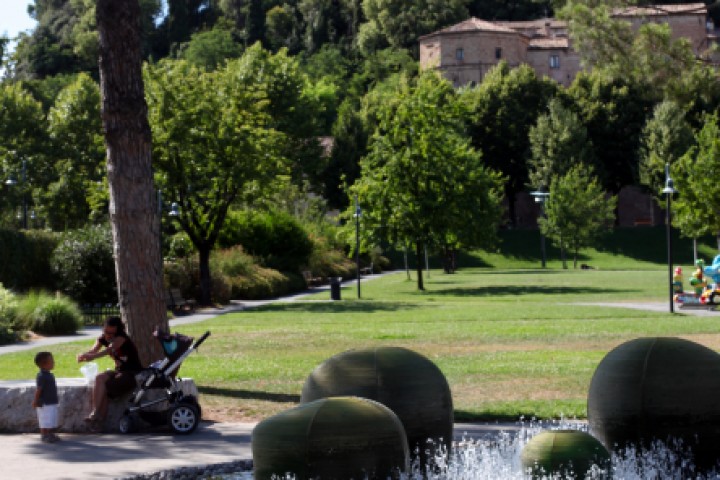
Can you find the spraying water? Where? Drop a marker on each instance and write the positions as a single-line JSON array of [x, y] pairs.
[[498, 458]]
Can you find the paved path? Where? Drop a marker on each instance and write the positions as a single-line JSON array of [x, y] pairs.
[[106, 456], [199, 316]]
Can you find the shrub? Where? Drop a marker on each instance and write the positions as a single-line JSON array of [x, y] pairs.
[[27, 306], [232, 262], [58, 316], [277, 238], [9, 333], [83, 262], [326, 261], [26, 256], [263, 282], [182, 273]]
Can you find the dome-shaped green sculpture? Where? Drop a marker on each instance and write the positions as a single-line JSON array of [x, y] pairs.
[[331, 438], [404, 381], [560, 452], [658, 388]]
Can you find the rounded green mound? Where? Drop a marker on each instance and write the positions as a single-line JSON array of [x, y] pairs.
[[560, 452], [658, 388], [404, 381], [340, 437]]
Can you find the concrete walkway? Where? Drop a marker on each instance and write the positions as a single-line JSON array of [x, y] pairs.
[[106, 456]]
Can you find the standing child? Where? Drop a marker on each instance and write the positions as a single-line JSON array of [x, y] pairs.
[[46, 397]]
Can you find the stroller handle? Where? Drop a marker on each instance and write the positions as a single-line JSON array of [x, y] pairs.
[[201, 339]]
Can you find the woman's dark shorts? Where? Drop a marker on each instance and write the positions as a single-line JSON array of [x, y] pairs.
[[120, 383]]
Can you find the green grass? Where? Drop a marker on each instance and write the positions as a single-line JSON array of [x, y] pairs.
[[510, 342], [642, 248]]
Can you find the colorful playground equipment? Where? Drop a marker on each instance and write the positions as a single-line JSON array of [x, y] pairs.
[[705, 284]]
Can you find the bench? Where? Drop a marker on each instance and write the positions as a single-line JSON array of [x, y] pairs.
[[367, 270], [311, 281], [175, 302], [17, 416]]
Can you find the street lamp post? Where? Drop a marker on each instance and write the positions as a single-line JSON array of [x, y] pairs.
[[12, 182], [357, 215], [540, 197], [669, 191]]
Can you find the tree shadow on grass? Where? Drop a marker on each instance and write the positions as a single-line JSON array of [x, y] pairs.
[[515, 290], [337, 307], [250, 394]]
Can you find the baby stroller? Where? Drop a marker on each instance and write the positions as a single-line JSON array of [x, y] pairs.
[[174, 408]]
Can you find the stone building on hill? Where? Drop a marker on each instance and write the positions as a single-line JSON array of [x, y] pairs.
[[465, 52]]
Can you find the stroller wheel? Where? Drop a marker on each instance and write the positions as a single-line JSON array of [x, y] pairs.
[[127, 424], [183, 418]]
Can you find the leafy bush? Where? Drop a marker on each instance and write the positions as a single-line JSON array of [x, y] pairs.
[[27, 306], [180, 246], [326, 261], [232, 262], [58, 316], [26, 257], [263, 282], [182, 273], [9, 333], [83, 262], [277, 238]]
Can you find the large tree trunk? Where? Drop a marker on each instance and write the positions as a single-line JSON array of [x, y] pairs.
[[418, 265], [133, 203], [205, 278]]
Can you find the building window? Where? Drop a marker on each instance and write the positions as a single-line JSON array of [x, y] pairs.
[[459, 54], [498, 53], [554, 61]]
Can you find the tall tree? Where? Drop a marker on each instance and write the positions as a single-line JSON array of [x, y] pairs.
[[503, 108], [399, 23], [614, 110], [422, 183], [577, 211], [133, 203], [698, 204], [558, 142], [23, 144], [75, 129], [667, 136], [215, 145]]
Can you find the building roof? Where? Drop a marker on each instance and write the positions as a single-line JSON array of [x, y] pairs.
[[661, 10], [472, 25], [549, 43], [528, 24]]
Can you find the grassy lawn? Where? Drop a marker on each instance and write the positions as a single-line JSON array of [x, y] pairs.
[[510, 342]]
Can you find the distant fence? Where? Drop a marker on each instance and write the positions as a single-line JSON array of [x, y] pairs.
[[97, 313]]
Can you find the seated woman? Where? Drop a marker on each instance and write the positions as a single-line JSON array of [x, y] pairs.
[[112, 383]]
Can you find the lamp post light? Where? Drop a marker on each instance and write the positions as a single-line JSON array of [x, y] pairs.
[[541, 197], [669, 191], [358, 213], [11, 182]]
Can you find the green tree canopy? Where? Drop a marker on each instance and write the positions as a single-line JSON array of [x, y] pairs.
[[577, 211], [667, 136], [614, 110], [214, 144], [76, 134], [558, 142], [697, 208], [502, 109], [398, 23], [422, 183]]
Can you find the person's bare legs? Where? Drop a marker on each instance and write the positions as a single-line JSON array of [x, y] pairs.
[[99, 397]]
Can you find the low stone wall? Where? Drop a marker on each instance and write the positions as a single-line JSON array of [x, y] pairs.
[[17, 414]]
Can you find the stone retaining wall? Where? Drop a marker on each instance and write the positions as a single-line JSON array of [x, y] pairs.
[[17, 414]]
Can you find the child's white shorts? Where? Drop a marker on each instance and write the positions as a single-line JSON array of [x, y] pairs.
[[48, 416]]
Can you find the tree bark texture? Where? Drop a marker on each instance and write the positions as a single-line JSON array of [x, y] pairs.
[[133, 203], [419, 248]]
